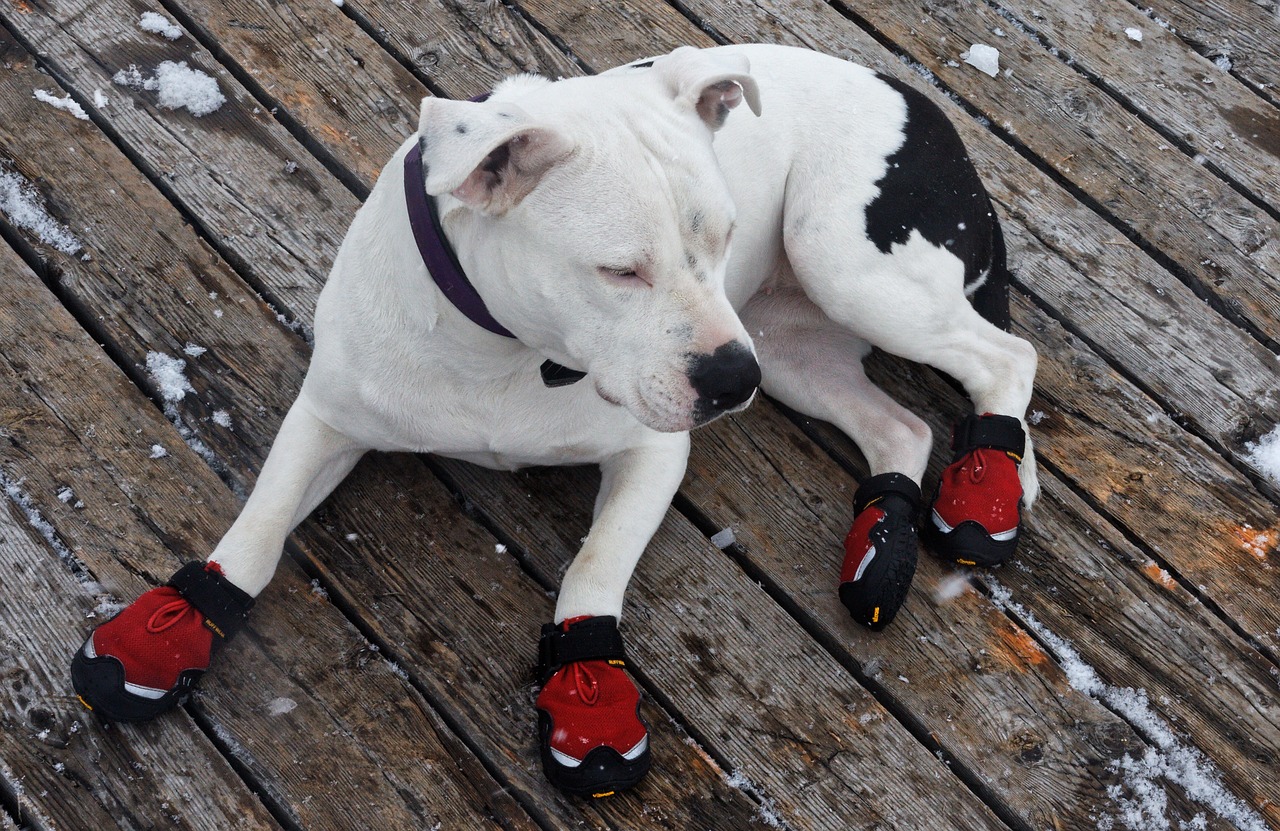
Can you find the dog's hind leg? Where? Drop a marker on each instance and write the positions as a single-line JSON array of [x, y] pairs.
[[145, 659], [814, 365], [591, 736], [911, 303]]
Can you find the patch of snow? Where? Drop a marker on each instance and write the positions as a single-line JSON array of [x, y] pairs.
[[22, 205], [280, 706], [65, 103], [179, 87], [65, 494], [499, 548], [182, 87], [1264, 454], [1134, 33], [1168, 758], [722, 539], [100, 99], [767, 811], [1223, 62], [158, 24], [318, 590], [984, 58], [398, 671], [106, 603], [352, 537], [158, 451], [222, 418], [168, 374], [193, 351], [339, 3], [1036, 417]]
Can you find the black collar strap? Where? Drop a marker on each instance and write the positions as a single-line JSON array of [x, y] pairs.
[[442, 263]]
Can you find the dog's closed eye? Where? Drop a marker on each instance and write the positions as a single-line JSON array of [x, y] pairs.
[[624, 274]]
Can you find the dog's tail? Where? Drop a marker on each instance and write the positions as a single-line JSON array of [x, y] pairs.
[[991, 298]]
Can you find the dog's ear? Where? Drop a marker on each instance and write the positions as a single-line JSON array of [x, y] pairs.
[[489, 155], [710, 82]]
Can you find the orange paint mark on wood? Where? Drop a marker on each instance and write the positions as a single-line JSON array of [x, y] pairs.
[[1019, 649], [1258, 542], [1159, 576]]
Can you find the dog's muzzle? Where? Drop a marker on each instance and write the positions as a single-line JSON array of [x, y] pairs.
[[724, 380]]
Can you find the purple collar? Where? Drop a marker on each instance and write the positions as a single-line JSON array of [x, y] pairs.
[[442, 263]]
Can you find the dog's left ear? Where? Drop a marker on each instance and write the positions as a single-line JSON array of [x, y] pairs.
[[712, 82], [490, 155]]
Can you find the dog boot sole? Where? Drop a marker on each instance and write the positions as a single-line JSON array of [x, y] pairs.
[[969, 544], [603, 772]]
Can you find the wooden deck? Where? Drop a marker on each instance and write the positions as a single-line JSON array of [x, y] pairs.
[[1122, 673]]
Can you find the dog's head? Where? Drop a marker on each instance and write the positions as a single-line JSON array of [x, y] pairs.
[[593, 218]]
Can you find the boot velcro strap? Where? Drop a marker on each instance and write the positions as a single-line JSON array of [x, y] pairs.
[[995, 432], [593, 639], [225, 607], [875, 488]]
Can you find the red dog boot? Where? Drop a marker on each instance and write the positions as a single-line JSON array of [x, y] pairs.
[[975, 514], [592, 739], [880, 550], [145, 659]]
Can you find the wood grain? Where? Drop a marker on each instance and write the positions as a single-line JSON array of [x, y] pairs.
[[1246, 32], [66, 767], [1208, 111]]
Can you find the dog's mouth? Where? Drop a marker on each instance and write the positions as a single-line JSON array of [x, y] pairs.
[[608, 398]]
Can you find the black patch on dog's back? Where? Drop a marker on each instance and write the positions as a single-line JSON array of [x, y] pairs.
[[931, 187]]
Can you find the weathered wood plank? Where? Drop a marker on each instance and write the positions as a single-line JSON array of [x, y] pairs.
[[474, 673], [1211, 113], [463, 48], [1246, 32], [293, 53], [219, 161], [67, 770]]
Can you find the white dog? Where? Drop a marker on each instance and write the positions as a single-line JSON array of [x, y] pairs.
[[620, 280]]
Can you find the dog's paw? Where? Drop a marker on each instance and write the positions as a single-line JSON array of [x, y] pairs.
[[976, 514], [148, 657], [880, 549], [592, 740]]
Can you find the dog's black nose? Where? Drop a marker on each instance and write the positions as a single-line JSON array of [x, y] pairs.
[[724, 379]]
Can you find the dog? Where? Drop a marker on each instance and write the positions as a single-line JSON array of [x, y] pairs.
[[583, 271]]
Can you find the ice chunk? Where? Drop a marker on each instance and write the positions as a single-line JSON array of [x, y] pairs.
[[280, 706], [984, 58], [1134, 33], [723, 538]]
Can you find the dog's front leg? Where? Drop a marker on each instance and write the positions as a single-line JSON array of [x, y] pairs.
[[145, 659], [591, 736], [636, 488], [307, 461]]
